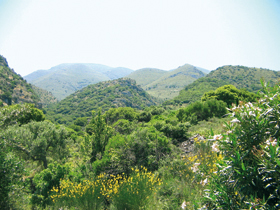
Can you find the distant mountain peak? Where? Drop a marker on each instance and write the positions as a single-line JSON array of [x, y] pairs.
[[66, 78]]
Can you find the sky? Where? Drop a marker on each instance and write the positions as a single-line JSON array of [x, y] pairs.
[[163, 34]]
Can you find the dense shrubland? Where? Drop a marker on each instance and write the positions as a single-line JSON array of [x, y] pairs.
[[125, 158]]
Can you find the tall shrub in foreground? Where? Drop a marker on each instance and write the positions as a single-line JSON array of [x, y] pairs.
[[249, 174]]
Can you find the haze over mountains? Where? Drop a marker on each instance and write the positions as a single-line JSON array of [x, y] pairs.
[[65, 79], [166, 85]]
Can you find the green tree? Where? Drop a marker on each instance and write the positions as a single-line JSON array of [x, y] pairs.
[[230, 94], [46, 180], [199, 111], [226, 93], [115, 114], [10, 172], [20, 114], [100, 134], [38, 141]]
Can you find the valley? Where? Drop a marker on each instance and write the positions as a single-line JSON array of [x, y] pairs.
[[95, 137]]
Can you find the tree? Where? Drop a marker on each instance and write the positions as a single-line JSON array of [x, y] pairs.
[[199, 111], [10, 171], [100, 134], [20, 114], [38, 141], [230, 94]]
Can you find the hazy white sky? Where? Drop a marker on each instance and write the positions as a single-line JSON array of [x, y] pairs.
[[165, 34]]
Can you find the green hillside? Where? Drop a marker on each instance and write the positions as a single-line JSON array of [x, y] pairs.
[[146, 76], [45, 96], [104, 95], [165, 85], [239, 76], [65, 79], [13, 88]]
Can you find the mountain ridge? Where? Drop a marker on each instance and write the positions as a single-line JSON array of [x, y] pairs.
[[64, 79], [123, 92], [239, 76], [13, 88], [166, 84]]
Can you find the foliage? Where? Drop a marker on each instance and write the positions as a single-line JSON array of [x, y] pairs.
[[11, 170], [121, 191], [199, 111], [248, 175], [88, 194], [124, 127], [230, 95], [100, 134], [19, 114], [38, 141], [144, 147], [177, 131], [194, 91], [115, 114], [13, 88], [45, 96], [104, 95], [134, 191], [45, 181], [241, 77]]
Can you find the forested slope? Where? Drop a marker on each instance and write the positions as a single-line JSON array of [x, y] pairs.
[[103, 95], [65, 79], [239, 76], [166, 85], [13, 88]]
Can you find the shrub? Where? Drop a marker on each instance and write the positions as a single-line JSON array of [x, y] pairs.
[[249, 174], [199, 111]]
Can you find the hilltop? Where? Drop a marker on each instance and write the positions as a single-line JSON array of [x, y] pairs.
[[13, 88], [166, 85], [239, 76], [65, 79], [104, 95]]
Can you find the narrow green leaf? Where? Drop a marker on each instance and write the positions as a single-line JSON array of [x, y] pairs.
[[243, 167], [211, 132]]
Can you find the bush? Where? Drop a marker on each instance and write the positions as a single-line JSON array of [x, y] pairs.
[[249, 174], [230, 94], [199, 111], [10, 169], [20, 114]]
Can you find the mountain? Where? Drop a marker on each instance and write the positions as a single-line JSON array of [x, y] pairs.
[[13, 88], [203, 70], [239, 76], [145, 76], [165, 85], [104, 95], [65, 79]]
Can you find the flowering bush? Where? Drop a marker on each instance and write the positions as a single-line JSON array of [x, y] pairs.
[[88, 194], [248, 175], [123, 192], [134, 191]]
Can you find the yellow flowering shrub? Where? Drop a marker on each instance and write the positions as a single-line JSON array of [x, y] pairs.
[[124, 192]]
